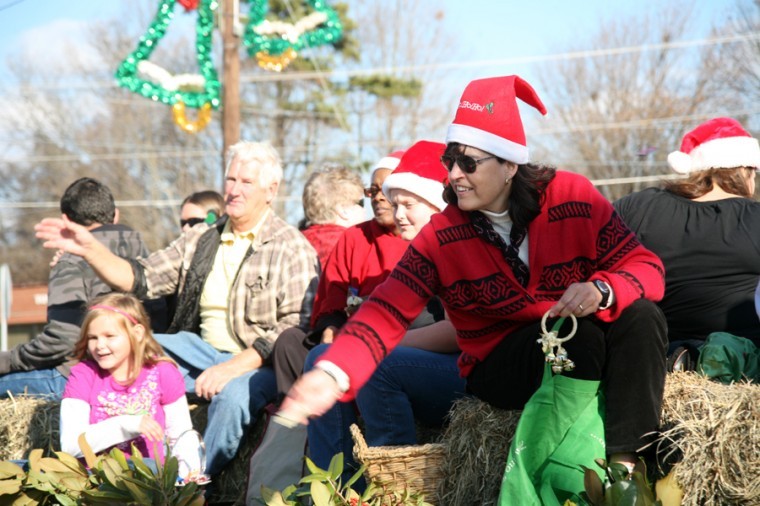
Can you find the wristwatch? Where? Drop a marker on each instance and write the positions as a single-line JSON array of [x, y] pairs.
[[604, 289]]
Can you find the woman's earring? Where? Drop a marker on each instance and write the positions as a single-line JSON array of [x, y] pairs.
[[508, 180]]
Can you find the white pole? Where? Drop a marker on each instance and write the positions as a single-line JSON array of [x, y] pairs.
[[5, 304]]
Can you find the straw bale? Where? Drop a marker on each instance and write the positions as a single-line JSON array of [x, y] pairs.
[[476, 443], [28, 422], [712, 433]]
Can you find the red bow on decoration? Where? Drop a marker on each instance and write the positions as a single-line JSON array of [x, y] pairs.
[[189, 4]]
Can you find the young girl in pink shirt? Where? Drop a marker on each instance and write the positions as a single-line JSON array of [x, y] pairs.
[[125, 389]]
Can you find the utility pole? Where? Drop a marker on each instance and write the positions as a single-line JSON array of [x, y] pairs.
[[228, 22]]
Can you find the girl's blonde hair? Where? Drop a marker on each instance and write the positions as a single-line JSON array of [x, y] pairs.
[[129, 311]]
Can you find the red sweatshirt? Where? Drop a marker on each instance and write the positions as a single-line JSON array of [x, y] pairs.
[[577, 237], [323, 238], [362, 258]]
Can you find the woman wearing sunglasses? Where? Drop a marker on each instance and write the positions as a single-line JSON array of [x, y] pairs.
[[419, 381], [516, 241]]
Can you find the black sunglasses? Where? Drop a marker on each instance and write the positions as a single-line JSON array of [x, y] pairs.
[[466, 163], [191, 221], [372, 191]]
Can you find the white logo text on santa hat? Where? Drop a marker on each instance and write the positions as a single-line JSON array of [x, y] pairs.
[[464, 104]]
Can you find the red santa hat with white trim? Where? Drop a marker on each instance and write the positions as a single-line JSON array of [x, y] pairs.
[[421, 172], [389, 161], [487, 117], [720, 143]]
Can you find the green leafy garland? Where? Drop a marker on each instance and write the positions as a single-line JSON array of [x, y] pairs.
[[194, 91], [274, 44]]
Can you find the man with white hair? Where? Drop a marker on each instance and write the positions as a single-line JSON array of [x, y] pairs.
[[239, 283]]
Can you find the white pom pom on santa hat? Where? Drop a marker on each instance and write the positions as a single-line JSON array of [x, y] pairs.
[[720, 143], [389, 161]]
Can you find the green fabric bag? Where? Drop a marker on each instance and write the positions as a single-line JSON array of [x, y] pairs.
[[727, 358], [561, 427]]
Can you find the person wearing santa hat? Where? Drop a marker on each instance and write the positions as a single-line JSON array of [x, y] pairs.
[[395, 396], [361, 259], [517, 241], [709, 243]]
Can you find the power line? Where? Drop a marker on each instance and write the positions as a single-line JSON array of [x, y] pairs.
[[573, 55], [171, 203], [174, 203], [184, 154]]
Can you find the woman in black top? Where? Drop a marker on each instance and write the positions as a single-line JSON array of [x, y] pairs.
[[706, 230]]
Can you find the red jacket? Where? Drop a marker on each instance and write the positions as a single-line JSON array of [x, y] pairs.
[[362, 258], [323, 238], [577, 237]]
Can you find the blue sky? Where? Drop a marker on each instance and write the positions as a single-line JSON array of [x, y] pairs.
[[485, 29]]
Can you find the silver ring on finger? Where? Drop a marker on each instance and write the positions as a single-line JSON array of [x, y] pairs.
[[580, 307]]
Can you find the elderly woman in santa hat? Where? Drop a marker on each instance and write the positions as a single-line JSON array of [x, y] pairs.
[[419, 380], [709, 242], [517, 242]]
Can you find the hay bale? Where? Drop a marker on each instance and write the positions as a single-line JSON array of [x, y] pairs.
[[28, 422], [476, 443], [712, 432]]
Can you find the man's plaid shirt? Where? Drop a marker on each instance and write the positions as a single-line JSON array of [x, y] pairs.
[[273, 290]]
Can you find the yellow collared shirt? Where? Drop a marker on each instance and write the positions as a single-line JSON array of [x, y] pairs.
[[215, 297]]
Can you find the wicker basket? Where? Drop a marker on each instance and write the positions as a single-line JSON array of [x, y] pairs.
[[417, 468]]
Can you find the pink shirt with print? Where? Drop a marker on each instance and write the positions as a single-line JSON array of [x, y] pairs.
[[155, 387]]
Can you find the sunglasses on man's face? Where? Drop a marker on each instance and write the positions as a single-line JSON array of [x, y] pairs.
[[191, 222], [467, 163]]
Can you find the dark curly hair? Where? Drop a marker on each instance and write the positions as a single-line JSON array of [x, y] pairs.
[[528, 186]]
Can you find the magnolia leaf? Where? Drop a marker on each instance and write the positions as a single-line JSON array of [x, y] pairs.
[[48, 465], [153, 485], [644, 490], [39, 480], [593, 486], [10, 486], [313, 468], [9, 469], [320, 494], [272, 497], [104, 497], [371, 490], [120, 459], [170, 471], [622, 493], [190, 495], [65, 500], [75, 483], [336, 466], [142, 468], [137, 492], [30, 498], [72, 463], [668, 490], [34, 459], [358, 474], [113, 473]]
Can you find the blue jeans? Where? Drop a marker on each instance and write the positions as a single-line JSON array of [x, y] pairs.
[[43, 382], [410, 384], [233, 410]]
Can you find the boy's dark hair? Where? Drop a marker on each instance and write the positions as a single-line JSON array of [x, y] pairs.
[[87, 201]]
